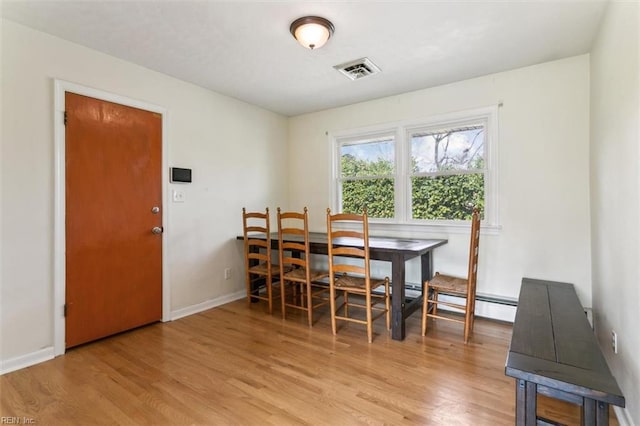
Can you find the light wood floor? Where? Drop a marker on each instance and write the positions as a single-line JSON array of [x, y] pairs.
[[238, 365]]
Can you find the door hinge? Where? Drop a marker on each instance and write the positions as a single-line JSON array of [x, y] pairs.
[[65, 118], [64, 309]]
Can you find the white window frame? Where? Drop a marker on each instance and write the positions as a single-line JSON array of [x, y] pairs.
[[401, 132], [349, 140]]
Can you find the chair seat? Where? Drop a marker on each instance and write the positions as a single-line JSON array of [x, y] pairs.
[[299, 274], [348, 282], [449, 284], [261, 269]]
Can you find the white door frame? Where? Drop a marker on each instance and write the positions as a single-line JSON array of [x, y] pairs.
[[59, 295]]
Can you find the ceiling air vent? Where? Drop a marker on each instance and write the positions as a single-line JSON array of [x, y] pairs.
[[357, 69]]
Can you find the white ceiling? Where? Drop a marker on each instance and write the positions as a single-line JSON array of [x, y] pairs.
[[243, 49]]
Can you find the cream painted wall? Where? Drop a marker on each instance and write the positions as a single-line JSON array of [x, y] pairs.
[[230, 145], [543, 168], [615, 194], [543, 171]]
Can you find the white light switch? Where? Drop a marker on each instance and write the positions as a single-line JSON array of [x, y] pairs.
[[178, 196]]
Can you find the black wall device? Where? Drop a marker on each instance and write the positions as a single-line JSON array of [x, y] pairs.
[[180, 175]]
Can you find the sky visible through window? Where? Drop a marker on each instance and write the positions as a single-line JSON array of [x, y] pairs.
[[371, 151], [458, 149]]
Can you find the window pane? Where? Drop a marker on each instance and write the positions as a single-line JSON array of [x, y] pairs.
[[452, 149], [374, 194], [374, 158], [447, 197]]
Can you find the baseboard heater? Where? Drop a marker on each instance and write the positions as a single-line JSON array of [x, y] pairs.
[[508, 301], [413, 290]]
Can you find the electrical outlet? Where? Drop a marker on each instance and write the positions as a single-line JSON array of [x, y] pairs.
[[614, 341], [227, 273]]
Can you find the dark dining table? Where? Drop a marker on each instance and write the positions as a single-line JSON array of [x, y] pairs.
[[395, 250]]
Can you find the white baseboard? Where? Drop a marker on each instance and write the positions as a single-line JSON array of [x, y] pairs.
[[24, 361], [194, 309], [622, 414]]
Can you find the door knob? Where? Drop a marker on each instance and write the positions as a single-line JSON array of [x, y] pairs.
[[156, 230], [155, 210]]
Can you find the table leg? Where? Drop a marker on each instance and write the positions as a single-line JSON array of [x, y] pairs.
[[397, 297], [255, 285], [595, 412], [426, 267], [426, 273], [526, 393], [602, 413], [588, 412]]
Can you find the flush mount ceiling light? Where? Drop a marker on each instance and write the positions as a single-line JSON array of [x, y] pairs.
[[311, 31]]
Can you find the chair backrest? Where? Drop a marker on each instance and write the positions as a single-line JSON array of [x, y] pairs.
[[294, 226], [357, 238], [256, 237], [474, 243]]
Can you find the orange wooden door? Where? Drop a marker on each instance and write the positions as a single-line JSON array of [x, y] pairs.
[[113, 183]]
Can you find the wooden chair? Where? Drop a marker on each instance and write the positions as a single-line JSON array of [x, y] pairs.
[[459, 287], [354, 259], [298, 281], [260, 271]]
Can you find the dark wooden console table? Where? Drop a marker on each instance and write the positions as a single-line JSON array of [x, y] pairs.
[[555, 353]]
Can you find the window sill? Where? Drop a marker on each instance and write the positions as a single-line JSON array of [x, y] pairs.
[[428, 230]]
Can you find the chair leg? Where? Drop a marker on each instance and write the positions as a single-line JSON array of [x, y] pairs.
[[268, 287], [425, 308], [309, 305], [332, 301], [345, 296], [468, 324], [248, 285], [283, 291], [467, 321], [369, 318], [435, 304], [387, 303]]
